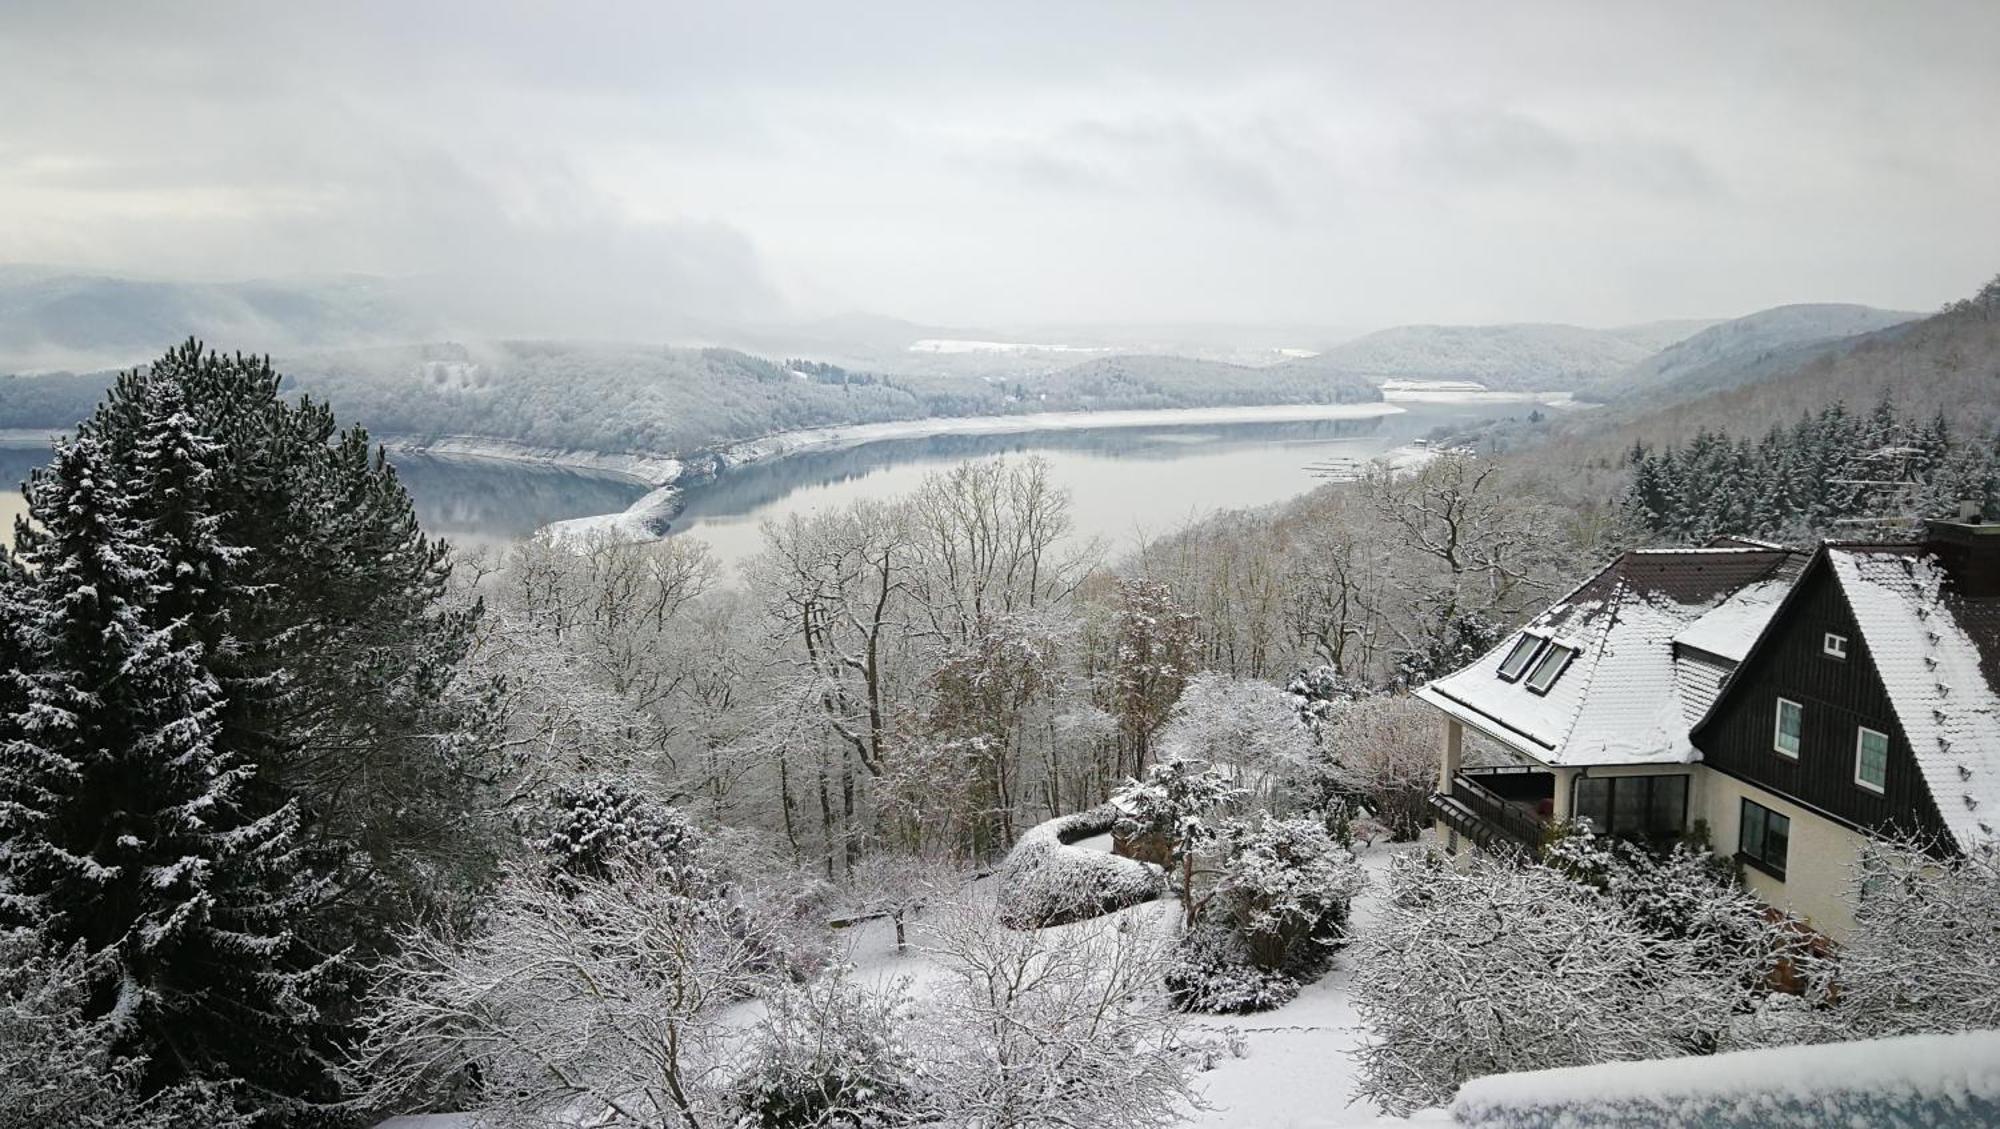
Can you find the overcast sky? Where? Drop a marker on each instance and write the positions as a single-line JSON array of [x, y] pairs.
[[1010, 163]]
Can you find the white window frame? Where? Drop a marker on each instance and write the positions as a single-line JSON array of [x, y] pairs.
[[1532, 644], [1861, 733], [1778, 729], [1835, 645], [1560, 654]]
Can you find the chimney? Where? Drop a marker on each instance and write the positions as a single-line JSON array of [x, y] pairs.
[[1969, 549]]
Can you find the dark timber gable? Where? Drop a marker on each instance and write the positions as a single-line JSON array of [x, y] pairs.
[[1838, 696]]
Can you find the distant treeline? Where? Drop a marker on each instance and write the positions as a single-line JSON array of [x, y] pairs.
[[1831, 473], [635, 398]]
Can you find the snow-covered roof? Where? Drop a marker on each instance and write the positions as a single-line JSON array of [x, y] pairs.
[[1618, 701], [1733, 625], [1937, 653]]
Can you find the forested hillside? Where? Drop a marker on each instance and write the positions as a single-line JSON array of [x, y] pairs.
[[1742, 351], [617, 398], [1539, 358]]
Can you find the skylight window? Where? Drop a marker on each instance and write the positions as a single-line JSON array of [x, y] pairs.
[[1517, 660], [1555, 658]]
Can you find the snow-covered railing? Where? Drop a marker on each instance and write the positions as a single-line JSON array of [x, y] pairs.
[[1914, 1080], [1047, 880]]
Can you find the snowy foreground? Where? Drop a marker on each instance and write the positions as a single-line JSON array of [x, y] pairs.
[[1283, 1069], [1292, 1068]]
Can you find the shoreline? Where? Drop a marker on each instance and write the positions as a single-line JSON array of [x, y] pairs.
[[660, 470]]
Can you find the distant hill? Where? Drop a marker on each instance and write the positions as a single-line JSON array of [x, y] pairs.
[[1742, 351], [1656, 335], [1139, 380], [54, 319], [1946, 364], [1529, 357]]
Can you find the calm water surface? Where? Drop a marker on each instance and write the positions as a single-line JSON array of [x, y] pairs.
[[1125, 483]]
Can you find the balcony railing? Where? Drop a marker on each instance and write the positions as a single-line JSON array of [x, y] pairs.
[[1488, 818]]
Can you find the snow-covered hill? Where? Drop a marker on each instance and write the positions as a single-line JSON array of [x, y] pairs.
[[1737, 352], [1528, 357]]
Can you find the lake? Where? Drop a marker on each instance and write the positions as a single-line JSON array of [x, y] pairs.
[[1125, 483]]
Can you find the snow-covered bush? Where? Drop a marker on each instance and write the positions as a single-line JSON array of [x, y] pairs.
[[1489, 967], [60, 1067], [592, 825], [1046, 881], [1048, 1028], [1684, 894], [600, 1001], [1169, 806], [1925, 952], [829, 1054], [1274, 916], [1213, 971]]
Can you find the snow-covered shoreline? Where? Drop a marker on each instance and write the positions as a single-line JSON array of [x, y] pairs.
[[855, 435]]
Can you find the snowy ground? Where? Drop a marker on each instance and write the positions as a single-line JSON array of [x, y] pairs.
[[1295, 1071]]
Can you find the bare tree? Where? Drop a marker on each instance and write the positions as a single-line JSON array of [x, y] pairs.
[[598, 1006]]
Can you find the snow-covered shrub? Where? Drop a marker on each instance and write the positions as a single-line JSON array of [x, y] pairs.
[[58, 1066], [1489, 967], [1925, 952], [1213, 971], [592, 825], [829, 1054], [1046, 881], [1047, 1028], [1170, 806], [1274, 916], [598, 1002]]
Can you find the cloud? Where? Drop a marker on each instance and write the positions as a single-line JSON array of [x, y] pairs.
[[652, 166]]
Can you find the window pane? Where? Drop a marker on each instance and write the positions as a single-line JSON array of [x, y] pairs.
[[1628, 805], [1791, 722], [1750, 840], [1872, 765], [1550, 667], [1669, 804], [1517, 659], [1593, 802], [1777, 837]]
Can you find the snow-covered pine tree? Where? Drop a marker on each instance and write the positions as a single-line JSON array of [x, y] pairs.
[[334, 650], [136, 836]]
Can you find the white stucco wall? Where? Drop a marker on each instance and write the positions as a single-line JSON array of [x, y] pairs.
[[1818, 862]]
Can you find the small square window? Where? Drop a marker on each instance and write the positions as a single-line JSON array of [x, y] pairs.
[[1835, 645], [1555, 658], [1517, 659], [1871, 760], [1788, 732]]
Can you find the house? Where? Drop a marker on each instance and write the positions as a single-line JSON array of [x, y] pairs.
[[1794, 704]]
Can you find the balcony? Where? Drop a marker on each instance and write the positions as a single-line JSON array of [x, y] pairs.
[[1499, 808]]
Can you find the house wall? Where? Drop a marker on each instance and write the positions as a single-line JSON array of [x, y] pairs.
[[1818, 862], [1839, 696]]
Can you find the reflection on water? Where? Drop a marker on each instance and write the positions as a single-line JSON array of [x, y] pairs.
[[1124, 482]]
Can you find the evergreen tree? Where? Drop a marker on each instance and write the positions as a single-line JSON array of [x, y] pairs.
[[233, 757]]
